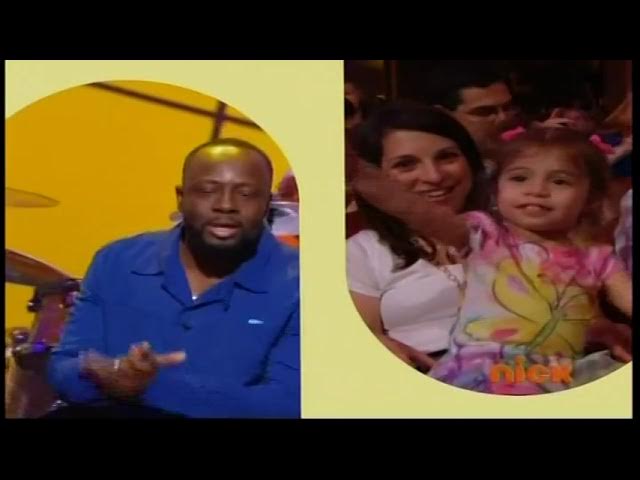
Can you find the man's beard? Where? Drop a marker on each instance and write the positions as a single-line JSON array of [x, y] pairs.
[[236, 252]]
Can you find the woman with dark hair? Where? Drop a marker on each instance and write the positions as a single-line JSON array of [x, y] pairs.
[[408, 288]]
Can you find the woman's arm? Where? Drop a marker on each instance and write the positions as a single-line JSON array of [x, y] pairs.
[[369, 309]]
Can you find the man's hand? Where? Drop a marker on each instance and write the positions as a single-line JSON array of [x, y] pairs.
[[395, 199], [128, 377], [425, 218]]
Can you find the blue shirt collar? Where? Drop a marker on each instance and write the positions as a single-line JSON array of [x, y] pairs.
[[164, 258]]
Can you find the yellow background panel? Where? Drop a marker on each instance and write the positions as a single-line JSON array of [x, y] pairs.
[[111, 160]]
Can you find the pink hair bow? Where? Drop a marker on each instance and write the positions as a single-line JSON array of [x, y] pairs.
[[603, 146], [511, 134], [595, 139]]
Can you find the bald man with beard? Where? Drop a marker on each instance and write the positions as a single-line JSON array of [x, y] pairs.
[[198, 321]]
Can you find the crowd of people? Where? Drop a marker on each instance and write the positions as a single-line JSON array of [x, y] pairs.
[[483, 235]]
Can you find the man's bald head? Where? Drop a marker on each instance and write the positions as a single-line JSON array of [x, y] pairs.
[[225, 149]]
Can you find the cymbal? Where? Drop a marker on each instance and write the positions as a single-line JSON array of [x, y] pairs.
[[21, 198], [26, 270]]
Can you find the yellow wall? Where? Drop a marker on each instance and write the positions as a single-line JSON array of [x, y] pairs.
[[112, 161]]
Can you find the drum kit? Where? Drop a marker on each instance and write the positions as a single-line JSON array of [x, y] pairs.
[[27, 394]]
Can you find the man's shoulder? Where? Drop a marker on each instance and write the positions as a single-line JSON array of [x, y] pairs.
[[134, 246], [140, 240], [287, 261], [280, 269], [286, 253]]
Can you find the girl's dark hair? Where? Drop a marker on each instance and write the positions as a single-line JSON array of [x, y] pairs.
[[368, 145], [578, 149]]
